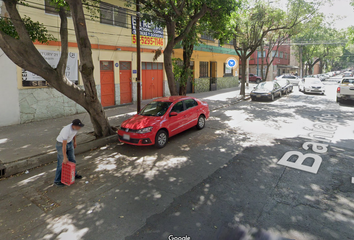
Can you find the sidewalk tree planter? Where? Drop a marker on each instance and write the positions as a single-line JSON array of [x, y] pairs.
[[17, 35]]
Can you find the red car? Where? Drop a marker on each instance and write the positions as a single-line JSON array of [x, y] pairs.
[[163, 118]]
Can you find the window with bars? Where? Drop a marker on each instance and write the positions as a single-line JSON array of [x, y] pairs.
[[125, 66], [50, 9], [203, 69], [106, 66], [151, 66], [207, 37], [113, 15]]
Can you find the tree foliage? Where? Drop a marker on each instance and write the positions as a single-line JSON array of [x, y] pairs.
[[255, 20], [17, 35], [179, 17]]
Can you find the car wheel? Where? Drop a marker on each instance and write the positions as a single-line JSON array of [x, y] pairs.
[[272, 97], [201, 122], [338, 100], [280, 94], [161, 139], [253, 99], [258, 80]]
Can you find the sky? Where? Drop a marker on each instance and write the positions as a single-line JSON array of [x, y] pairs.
[[341, 8]]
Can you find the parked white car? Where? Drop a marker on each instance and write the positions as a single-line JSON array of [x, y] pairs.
[[345, 90], [294, 80], [311, 85]]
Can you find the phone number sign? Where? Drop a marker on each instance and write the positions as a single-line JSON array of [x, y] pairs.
[[150, 33], [151, 41]]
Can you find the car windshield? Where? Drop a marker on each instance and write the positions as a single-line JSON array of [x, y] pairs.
[[265, 86], [313, 81], [283, 82], [155, 109]]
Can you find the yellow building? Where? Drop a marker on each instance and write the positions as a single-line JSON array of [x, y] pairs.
[[112, 35], [209, 64]]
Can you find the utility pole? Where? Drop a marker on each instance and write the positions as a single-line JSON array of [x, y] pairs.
[[138, 56], [301, 63]]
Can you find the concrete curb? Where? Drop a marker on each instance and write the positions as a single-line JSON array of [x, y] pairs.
[[50, 156]]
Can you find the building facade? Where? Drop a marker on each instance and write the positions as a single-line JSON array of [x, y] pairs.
[[209, 65], [26, 97], [280, 65]]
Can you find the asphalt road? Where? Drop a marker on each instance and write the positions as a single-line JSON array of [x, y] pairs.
[[224, 182]]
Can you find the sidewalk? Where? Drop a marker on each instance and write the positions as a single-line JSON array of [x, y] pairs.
[[29, 145]]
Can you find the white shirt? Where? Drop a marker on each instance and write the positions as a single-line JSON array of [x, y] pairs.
[[67, 133]]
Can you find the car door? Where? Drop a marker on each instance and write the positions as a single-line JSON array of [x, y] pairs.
[[191, 112], [177, 123]]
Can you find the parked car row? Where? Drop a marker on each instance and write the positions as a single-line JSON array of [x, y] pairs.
[[271, 90]]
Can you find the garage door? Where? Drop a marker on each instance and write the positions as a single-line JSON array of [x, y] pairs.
[[107, 83], [125, 76], [152, 80]]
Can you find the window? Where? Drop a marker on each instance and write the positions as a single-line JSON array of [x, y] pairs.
[[106, 66], [207, 37], [178, 107], [281, 55], [113, 15], [50, 9], [285, 55], [190, 103], [203, 69], [274, 54], [227, 70], [260, 54]]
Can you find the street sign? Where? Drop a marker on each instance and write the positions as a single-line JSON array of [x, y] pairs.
[[134, 72]]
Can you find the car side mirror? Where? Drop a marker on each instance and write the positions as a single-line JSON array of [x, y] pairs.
[[173, 114]]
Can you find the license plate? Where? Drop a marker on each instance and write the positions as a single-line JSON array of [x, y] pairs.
[[258, 95], [126, 137]]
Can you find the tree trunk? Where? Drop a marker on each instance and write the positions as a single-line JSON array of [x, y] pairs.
[[167, 57], [321, 67], [243, 74], [188, 48], [94, 107]]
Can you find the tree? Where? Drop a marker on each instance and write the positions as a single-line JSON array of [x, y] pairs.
[[252, 23], [179, 17], [16, 40], [213, 25], [319, 43]]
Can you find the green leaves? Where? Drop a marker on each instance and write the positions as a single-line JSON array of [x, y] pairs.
[[36, 30]]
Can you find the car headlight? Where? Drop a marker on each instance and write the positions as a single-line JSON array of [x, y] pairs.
[[144, 130]]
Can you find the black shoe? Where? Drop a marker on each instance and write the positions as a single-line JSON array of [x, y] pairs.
[[59, 184], [77, 176]]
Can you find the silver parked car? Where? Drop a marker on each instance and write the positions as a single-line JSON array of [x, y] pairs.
[[294, 80]]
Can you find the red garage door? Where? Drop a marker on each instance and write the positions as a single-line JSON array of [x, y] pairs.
[[152, 80], [125, 76], [107, 83]]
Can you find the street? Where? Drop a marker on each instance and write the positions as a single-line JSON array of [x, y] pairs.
[[217, 183]]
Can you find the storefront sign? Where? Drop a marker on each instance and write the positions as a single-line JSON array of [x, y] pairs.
[[150, 34], [52, 57]]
